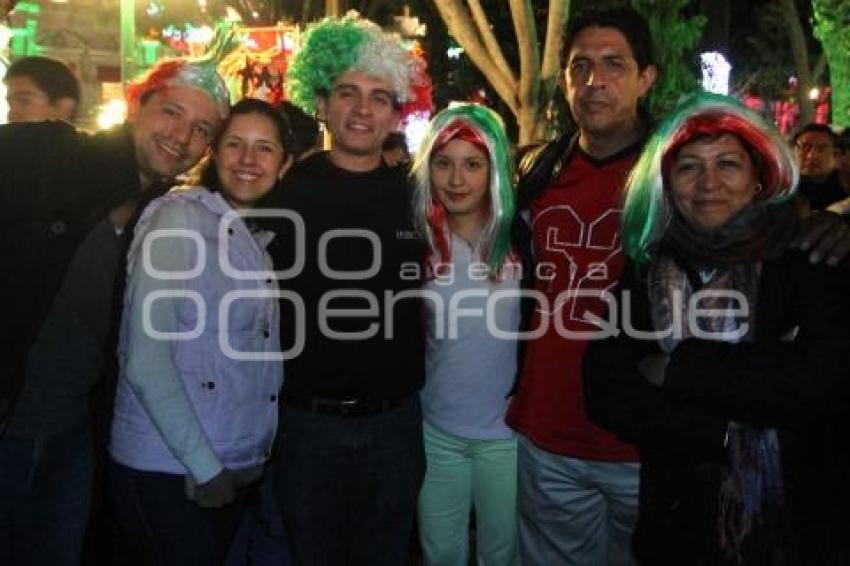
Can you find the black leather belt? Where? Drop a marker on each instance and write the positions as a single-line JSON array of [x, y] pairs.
[[343, 408]]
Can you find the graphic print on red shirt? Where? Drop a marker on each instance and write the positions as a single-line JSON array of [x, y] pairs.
[[575, 229]]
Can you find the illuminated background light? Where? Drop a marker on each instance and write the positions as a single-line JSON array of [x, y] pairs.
[[111, 114], [715, 72]]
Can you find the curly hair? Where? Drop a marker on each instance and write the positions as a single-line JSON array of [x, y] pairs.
[[336, 45]]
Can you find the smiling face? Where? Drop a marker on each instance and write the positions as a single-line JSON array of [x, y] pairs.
[[360, 112], [604, 85], [460, 178], [711, 180], [249, 159], [172, 130]]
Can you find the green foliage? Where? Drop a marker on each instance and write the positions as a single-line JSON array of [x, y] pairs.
[[832, 28], [675, 38]]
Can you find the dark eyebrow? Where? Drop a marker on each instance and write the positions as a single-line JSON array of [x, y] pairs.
[[355, 87]]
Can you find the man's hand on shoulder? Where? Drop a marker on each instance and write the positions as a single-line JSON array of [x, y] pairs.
[[824, 235]]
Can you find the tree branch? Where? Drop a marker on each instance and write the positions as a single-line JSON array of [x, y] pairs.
[[558, 12], [460, 26], [490, 41], [819, 68], [529, 54], [800, 54]]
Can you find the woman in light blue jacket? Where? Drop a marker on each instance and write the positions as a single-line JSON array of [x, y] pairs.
[[196, 408]]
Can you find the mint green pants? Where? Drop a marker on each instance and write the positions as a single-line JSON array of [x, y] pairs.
[[463, 474]]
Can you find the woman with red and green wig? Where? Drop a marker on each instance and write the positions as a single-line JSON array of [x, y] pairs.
[[727, 367]]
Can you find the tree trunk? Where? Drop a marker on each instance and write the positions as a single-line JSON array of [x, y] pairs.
[[801, 61], [457, 18], [528, 92]]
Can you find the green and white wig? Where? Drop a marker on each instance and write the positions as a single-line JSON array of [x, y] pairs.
[[483, 128], [648, 206], [337, 45]]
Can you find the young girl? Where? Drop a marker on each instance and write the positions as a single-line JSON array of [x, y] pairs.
[[464, 207]]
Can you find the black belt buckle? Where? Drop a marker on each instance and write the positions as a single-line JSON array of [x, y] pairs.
[[351, 407]]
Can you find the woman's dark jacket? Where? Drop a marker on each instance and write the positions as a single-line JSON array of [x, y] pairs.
[[800, 388]]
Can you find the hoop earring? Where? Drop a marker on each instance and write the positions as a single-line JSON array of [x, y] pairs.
[[758, 188]]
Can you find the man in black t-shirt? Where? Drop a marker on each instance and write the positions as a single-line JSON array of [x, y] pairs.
[[350, 459]]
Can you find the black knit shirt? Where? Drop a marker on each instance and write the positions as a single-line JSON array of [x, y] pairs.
[[359, 254]]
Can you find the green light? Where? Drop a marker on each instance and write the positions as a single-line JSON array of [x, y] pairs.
[[148, 53]]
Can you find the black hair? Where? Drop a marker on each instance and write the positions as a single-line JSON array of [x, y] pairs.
[[626, 20], [395, 140], [209, 176], [305, 129], [844, 140], [813, 127], [53, 77]]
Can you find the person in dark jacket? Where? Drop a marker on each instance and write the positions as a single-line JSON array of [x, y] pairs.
[[67, 203], [727, 365], [816, 148]]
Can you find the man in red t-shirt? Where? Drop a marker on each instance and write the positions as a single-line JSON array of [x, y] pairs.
[[578, 484]]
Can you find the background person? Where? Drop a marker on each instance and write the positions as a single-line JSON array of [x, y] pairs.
[[193, 422], [40, 88], [464, 206], [815, 147], [842, 165], [305, 131], [736, 424]]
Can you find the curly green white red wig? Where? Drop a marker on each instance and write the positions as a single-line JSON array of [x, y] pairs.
[[648, 207], [483, 128], [337, 45], [200, 74]]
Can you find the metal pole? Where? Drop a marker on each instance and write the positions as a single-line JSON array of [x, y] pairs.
[[128, 40]]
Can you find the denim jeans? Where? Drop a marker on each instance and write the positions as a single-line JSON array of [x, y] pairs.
[[163, 527], [347, 487], [45, 495], [261, 539]]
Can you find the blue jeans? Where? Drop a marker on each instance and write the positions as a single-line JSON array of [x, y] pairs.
[[575, 512], [261, 539], [45, 496], [164, 527], [347, 487]]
